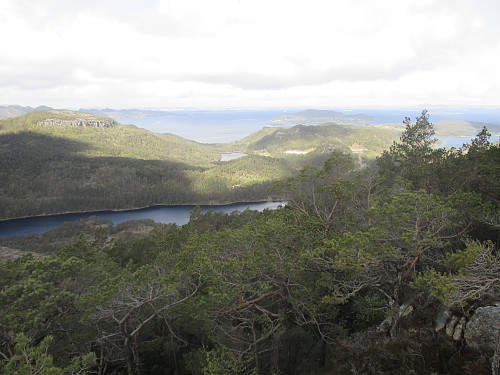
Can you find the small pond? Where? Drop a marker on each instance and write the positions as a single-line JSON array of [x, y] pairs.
[[231, 155]]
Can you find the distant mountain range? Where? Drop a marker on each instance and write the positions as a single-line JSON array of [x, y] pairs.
[[10, 111], [54, 161], [17, 110]]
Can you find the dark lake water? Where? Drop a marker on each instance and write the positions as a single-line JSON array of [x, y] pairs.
[[161, 214]]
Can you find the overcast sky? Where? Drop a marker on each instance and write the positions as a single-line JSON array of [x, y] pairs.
[[249, 53]]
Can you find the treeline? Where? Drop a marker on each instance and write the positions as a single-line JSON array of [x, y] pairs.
[[347, 278]]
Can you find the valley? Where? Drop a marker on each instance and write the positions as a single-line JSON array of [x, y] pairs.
[[57, 161]]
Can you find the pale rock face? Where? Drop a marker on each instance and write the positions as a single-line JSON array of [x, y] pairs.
[[459, 328], [442, 317], [450, 326], [483, 329], [62, 123]]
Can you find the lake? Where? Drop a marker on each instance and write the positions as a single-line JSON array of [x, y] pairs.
[[161, 214], [231, 156]]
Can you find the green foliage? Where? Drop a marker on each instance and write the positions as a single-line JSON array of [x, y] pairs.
[[412, 157], [439, 284], [36, 360], [299, 289], [220, 361], [468, 273]]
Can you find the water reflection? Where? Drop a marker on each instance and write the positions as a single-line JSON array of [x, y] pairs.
[[161, 214]]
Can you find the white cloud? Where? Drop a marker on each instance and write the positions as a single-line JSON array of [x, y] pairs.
[[248, 52]]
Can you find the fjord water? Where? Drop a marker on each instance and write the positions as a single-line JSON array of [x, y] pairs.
[[231, 125], [161, 214], [208, 126]]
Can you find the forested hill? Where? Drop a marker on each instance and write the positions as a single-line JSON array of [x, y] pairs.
[[389, 269], [56, 161], [324, 138], [99, 136]]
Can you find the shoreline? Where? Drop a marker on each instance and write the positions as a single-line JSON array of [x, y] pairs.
[[135, 209]]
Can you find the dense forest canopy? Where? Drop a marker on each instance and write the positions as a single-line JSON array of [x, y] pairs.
[[368, 269]]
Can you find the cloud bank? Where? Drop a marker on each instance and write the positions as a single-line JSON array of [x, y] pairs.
[[239, 53]]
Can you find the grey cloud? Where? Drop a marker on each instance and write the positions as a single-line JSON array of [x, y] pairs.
[[37, 75], [363, 71]]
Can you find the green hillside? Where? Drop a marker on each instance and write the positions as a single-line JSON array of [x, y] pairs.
[[54, 161], [100, 136], [302, 145], [58, 161]]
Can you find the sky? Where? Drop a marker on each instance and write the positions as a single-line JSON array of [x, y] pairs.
[[249, 53]]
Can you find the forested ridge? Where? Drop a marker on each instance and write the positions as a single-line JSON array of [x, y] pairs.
[[54, 161], [385, 268]]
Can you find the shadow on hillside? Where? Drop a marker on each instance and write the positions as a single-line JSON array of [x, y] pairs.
[[40, 174], [28, 145], [26, 148]]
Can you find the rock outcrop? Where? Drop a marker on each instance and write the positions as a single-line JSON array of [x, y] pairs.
[[483, 329], [79, 122], [453, 325], [442, 317]]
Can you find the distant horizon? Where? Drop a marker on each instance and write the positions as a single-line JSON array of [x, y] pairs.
[[223, 125], [257, 108]]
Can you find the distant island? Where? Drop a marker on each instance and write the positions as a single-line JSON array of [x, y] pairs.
[[317, 116]]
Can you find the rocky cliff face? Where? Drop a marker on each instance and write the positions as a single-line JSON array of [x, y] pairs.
[[79, 122]]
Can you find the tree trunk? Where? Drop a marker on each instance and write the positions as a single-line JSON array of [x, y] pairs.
[[275, 355], [101, 361], [394, 325]]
